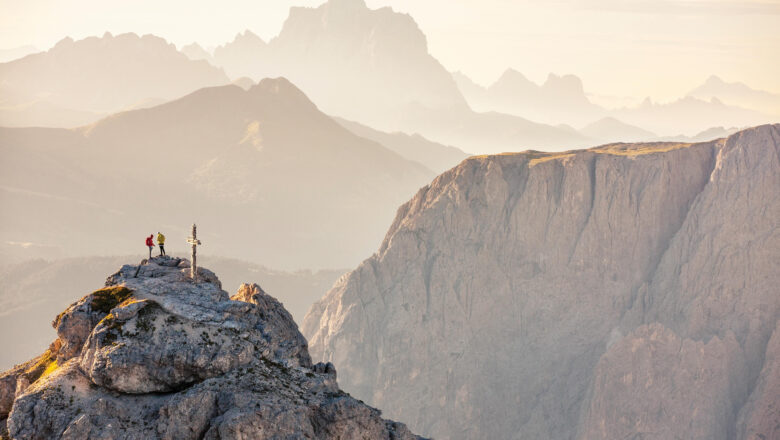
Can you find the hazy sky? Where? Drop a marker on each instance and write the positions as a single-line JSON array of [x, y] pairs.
[[660, 48]]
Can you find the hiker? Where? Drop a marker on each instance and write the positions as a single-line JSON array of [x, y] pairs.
[[161, 242], [150, 243]]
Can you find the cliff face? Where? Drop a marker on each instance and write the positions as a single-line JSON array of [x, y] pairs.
[[590, 294], [155, 355]]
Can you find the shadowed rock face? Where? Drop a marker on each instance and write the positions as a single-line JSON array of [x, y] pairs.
[[589, 294], [156, 355]]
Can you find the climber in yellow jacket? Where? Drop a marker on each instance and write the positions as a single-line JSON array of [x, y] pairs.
[[161, 242]]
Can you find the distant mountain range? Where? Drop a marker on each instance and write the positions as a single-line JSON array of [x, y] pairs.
[[97, 75], [351, 60], [688, 115], [562, 99], [738, 94], [373, 67], [233, 58], [195, 52], [433, 155], [269, 177], [364, 65]]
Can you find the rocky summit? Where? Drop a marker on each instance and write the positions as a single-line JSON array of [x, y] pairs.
[[154, 354]]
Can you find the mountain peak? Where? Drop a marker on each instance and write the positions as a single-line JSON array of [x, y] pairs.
[[511, 74], [281, 89], [570, 84], [248, 37], [77, 74], [347, 4], [512, 82], [157, 354], [67, 41]]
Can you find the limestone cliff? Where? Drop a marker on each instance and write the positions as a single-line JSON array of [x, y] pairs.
[[156, 355], [629, 289]]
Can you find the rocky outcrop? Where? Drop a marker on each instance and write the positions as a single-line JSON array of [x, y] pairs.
[[156, 355], [585, 294]]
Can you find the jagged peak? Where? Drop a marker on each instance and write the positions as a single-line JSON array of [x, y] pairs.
[[110, 39], [333, 15]]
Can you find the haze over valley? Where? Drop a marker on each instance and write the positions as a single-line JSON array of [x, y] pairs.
[[494, 220]]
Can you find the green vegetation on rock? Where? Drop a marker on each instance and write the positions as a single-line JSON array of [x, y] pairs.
[[105, 299]]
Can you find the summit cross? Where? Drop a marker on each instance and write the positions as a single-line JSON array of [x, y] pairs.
[[193, 240]]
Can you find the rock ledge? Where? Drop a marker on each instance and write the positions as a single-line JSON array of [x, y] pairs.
[[155, 355]]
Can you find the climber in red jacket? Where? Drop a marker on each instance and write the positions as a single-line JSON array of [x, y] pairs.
[[150, 243]]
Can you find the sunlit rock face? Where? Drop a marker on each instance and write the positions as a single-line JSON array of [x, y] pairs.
[[155, 354], [630, 288]]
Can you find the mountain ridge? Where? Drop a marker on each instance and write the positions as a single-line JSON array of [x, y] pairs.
[[75, 75], [219, 148], [739, 94]]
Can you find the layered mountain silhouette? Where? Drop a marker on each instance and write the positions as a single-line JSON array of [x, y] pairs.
[[195, 52], [738, 94], [369, 66], [433, 155], [247, 55], [269, 177], [624, 291], [706, 135], [349, 59], [561, 99], [97, 75], [373, 67], [688, 116]]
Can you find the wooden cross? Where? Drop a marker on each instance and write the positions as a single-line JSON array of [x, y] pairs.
[[193, 240]]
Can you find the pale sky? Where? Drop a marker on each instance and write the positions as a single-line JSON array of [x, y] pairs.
[[657, 48]]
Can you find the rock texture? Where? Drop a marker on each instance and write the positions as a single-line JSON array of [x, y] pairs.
[[626, 290], [156, 355], [28, 301]]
